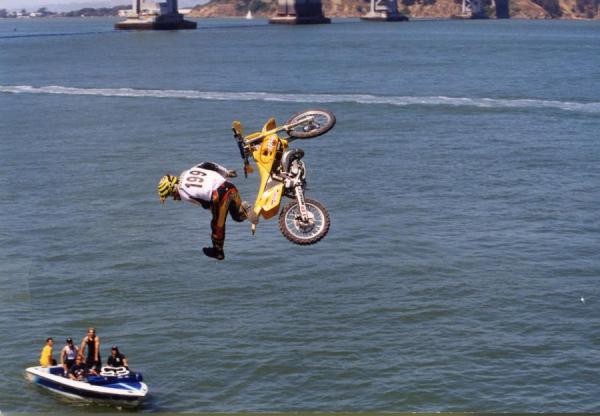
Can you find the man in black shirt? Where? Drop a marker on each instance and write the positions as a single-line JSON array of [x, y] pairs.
[[117, 359], [78, 371]]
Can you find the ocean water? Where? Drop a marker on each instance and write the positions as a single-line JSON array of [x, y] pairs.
[[462, 178]]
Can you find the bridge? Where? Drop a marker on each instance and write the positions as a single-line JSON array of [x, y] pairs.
[[311, 11], [165, 15]]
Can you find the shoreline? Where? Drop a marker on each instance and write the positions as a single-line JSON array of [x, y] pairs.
[[265, 17]]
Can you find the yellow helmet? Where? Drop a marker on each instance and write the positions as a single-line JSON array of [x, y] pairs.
[[166, 186]]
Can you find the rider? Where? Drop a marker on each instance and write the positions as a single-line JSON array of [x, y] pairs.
[[205, 185]]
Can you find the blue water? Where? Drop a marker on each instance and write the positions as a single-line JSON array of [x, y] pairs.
[[462, 179]]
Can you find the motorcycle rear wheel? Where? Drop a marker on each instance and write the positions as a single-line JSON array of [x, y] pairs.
[[324, 121], [311, 232]]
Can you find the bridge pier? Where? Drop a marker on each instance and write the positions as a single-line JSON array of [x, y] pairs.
[[155, 16], [298, 12], [502, 9], [475, 9], [384, 11]]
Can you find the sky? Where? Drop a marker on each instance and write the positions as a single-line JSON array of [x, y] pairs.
[[67, 5]]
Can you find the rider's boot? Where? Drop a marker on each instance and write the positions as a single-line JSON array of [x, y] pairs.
[[213, 252], [216, 251], [249, 212]]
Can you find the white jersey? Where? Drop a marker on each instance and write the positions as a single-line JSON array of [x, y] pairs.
[[197, 184]]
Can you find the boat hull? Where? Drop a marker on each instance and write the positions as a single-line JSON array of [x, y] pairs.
[[128, 393]]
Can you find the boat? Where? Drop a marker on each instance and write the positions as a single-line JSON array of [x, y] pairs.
[[113, 385], [249, 15]]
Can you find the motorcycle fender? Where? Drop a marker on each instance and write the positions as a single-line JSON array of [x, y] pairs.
[[270, 200]]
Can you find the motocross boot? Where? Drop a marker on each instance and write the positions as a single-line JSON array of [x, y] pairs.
[[213, 252], [246, 208], [216, 251]]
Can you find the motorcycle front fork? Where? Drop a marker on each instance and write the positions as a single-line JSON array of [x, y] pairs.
[[301, 204]]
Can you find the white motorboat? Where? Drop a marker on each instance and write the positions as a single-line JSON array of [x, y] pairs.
[[117, 386]]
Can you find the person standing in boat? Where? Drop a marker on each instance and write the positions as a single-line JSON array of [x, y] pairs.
[[91, 342], [46, 359], [68, 354]]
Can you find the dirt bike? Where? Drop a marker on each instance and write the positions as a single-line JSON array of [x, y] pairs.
[[283, 173]]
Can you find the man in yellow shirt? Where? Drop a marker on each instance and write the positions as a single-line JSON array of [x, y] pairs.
[[46, 359]]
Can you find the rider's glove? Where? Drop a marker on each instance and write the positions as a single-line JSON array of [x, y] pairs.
[[231, 174]]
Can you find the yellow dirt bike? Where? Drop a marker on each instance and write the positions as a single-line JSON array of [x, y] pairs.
[[282, 173]]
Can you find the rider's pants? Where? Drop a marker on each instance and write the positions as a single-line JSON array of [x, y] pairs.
[[224, 199]]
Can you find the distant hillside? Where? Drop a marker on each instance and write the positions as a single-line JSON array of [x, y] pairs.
[[96, 12], [78, 5], [525, 9]]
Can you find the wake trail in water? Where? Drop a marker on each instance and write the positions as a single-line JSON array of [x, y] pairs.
[[367, 99], [47, 35]]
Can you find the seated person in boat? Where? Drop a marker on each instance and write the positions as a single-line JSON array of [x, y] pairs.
[[46, 359], [117, 359], [78, 371]]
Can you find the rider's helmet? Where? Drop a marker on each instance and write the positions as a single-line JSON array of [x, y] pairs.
[[166, 186]]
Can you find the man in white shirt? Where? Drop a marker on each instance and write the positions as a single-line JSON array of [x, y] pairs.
[[205, 185]]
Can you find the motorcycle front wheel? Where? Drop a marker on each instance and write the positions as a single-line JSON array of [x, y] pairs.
[[318, 122], [304, 232]]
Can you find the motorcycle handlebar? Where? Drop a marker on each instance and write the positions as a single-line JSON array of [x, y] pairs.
[[243, 152]]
